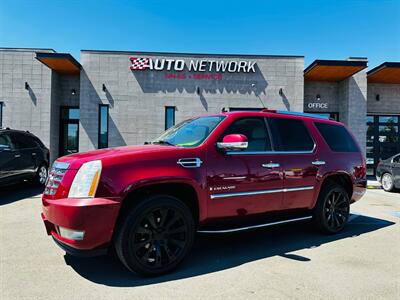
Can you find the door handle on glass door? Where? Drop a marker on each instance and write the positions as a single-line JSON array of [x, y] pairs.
[[271, 165]]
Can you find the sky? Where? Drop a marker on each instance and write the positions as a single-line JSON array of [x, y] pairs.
[[322, 29]]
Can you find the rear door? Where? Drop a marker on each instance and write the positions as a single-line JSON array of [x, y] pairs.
[[244, 182], [293, 143], [26, 151]]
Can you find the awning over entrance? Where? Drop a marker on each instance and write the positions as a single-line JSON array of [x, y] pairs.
[[333, 70], [388, 72], [62, 63]]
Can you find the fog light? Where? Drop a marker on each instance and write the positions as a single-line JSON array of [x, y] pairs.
[[71, 234]]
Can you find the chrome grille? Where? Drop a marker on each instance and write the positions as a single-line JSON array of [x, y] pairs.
[[56, 174]]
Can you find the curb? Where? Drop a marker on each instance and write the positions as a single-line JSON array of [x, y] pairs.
[[374, 187]]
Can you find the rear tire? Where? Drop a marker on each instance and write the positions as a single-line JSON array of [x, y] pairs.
[[387, 182], [333, 208], [155, 236]]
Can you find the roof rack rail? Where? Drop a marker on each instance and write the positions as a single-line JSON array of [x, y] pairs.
[[295, 113]]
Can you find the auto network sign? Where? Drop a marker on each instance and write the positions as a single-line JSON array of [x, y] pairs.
[[193, 65]]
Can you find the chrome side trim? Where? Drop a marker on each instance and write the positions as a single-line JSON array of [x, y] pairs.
[[268, 152], [194, 162], [234, 178], [261, 192], [255, 226]]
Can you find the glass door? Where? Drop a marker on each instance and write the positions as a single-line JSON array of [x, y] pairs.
[[69, 130], [383, 139]]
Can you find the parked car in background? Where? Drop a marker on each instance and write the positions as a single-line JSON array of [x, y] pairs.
[[388, 173], [217, 173], [22, 156]]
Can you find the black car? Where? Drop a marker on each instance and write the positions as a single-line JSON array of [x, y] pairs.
[[388, 173], [22, 156]]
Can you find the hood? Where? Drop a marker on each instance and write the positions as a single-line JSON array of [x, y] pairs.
[[77, 159]]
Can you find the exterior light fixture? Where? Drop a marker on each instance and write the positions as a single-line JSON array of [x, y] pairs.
[[104, 88], [281, 92], [27, 85], [318, 97], [377, 97], [198, 91], [73, 92]]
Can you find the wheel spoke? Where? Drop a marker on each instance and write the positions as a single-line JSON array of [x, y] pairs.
[[177, 242], [173, 220], [151, 218], [169, 253], [143, 230], [163, 216], [158, 256]]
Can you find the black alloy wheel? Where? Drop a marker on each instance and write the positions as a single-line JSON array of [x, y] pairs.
[[333, 208], [156, 235]]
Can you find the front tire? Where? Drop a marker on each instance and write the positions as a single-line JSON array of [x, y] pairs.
[[333, 208], [155, 236], [387, 182]]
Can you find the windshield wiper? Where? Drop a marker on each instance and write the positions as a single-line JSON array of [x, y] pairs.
[[162, 142]]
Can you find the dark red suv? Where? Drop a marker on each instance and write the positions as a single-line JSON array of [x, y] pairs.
[[216, 173]]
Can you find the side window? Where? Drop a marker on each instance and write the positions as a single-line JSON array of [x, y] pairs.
[[337, 137], [290, 135], [22, 141], [255, 131], [5, 141], [396, 159]]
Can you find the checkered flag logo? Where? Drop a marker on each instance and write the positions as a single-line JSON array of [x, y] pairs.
[[139, 63]]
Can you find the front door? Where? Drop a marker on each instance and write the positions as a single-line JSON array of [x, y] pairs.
[[245, 182], [69, 131]]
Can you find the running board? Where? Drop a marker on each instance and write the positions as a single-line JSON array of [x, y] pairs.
[[255, 226]]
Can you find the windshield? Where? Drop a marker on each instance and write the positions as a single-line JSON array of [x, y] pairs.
[[189, 133]]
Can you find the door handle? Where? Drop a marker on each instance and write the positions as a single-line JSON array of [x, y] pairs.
[[271, 165], [318, 162], [17, 155], [34, 153]]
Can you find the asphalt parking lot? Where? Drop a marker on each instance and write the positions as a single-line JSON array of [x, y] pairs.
[[291, 261]]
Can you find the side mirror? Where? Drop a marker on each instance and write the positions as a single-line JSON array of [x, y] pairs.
[[233, 142]]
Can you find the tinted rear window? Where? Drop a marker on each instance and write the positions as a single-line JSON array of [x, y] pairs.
[[290, 135], [337, 137]]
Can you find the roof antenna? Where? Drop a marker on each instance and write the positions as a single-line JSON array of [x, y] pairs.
[[253, 85]]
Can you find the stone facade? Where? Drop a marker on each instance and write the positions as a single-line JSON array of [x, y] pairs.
[[348, 98], [26, 109], [389, 98], [137, 99]]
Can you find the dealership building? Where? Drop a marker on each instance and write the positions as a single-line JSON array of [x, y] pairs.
[[114, 98]]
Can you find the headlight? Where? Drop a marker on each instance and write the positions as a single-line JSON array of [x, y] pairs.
[[86, 180]]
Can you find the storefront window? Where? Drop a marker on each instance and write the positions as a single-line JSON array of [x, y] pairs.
[[383, 139], [103, 126], [169, 116]]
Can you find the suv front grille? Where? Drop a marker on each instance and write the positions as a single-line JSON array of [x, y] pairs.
[[56, 174]]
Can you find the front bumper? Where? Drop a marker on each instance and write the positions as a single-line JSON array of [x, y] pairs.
[[96, 217]]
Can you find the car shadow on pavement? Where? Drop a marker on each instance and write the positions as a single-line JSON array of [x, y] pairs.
[[216, 252], [17, 192]]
